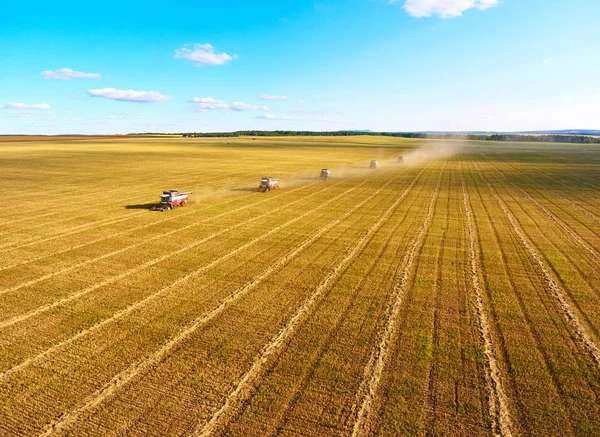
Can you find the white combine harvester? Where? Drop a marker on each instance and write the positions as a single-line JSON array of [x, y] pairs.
[[172, 199], [268, 183]]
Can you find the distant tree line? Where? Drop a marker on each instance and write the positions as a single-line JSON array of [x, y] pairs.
[[580, 139]]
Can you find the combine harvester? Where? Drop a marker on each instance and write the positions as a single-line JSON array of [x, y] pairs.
[[373, 164], [401, 159], [268, 183], [325, 174], [171, 199]]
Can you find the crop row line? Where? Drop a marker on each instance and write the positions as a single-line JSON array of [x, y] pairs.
[[127, 248], [577, 328], [73, 230], [367, 392], [244, 386], [554, 218], [499, 410], [73, 296], [141, 367]]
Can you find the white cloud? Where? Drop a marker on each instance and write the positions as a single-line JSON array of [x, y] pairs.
[[69, 74], [444, 8], [203, 54], [203, 104], [241, 106], [300, 101], [549, 60], [267, 97], [130, 95], [25, 106], [274, 117]]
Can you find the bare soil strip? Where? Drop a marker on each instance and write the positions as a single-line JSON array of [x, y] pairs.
[[499, 410], [173, 285], [578, 330], [140, 368], [244, 387], [77, 295], [132, 246], [367, 391], [554, 218]]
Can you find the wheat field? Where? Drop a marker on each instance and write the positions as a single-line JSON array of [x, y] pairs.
[[455, 294]]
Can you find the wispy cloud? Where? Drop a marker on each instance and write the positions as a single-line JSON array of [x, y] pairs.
[[69, 74], [276, 118], [203, 54], [444, 8], [130, 95], [25, 106], [241, 106], [204, 104], [268, 97], [549, 60]]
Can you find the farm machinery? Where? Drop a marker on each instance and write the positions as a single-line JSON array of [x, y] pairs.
[[373, 164], [325, 174], [171, 199], [268, 183], [401, 159]]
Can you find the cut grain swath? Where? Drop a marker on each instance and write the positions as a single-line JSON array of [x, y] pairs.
[[577, 328], [374, 369], [81, 293], [140, 368], [119, 315], [244, 387], [555, 219], [499, 411]]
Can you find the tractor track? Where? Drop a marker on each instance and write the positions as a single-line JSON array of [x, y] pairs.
[[326, 345], [367, 392], [142, 367], [577, 329], [554, 218], [498, 401], [243, 388], [122, 313], [77, 295]]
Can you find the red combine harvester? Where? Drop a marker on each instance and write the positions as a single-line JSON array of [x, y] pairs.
[[268, 183], [171, 199]]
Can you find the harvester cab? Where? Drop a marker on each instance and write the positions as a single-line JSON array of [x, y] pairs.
[[325, 174], [373, 164], [171, 199], [401, 159], [268, 183]]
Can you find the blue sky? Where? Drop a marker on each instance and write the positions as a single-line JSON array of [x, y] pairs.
[[407, 65]]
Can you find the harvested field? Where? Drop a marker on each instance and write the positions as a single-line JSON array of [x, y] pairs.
[[455, 294]]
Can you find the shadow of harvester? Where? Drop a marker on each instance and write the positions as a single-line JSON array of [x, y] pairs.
[[141, 206]]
